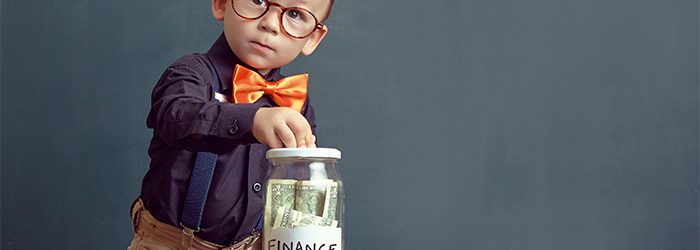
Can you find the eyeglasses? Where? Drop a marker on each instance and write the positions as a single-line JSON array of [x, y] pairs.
[[295, 22]]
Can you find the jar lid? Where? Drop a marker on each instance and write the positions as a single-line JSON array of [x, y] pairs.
[[303, 153]]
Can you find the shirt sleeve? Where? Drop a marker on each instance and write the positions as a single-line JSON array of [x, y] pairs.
[[183, 107]]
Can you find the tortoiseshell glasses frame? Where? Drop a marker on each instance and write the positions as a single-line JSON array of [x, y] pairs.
[[317, 25]]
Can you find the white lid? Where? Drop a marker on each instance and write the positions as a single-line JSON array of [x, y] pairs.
[[303, 153]]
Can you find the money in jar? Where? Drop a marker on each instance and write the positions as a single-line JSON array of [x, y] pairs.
[[303, 200]]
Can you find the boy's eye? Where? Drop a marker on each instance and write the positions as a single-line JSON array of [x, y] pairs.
[[258, 2], [294, 14]]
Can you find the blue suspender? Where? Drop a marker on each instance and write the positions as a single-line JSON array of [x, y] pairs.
[[197, 191]]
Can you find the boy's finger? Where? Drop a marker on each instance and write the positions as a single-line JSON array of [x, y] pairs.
[[286, 135], [313, 141], [272, 140], [300, 129], [275, 142], [310, 141]]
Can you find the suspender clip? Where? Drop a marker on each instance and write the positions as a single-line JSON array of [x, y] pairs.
[[188, 231]]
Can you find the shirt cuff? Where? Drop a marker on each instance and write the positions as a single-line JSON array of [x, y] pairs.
[[235, 121]]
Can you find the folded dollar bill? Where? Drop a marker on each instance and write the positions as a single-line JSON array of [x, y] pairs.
[[291, 218], [317, 198], [280, 193]]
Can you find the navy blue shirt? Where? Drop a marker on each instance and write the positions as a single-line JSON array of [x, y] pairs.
[[183, 104]]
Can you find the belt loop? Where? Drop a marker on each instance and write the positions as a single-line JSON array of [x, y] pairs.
[[246, 244], [252, 240], [136, 208], [187, 237]]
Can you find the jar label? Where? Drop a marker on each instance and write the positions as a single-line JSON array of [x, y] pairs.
[[311, 237]]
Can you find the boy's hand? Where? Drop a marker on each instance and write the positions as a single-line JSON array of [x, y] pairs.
[[282, 127]]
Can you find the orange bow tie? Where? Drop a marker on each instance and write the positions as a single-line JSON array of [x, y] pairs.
[[249, 86]]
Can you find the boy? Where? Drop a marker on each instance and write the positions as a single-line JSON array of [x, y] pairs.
[[226, 108]]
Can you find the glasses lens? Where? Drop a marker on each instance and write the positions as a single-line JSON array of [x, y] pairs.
[[250, 8], [298, 22]]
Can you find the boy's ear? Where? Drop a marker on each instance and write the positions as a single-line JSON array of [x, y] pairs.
[[218, 9], [314, 40]]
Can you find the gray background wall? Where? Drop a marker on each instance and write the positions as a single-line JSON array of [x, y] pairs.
[[477, 124]]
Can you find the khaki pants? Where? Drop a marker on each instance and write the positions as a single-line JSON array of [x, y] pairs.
[[150, 233]]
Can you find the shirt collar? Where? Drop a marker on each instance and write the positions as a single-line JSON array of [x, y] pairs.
[[224, 60]]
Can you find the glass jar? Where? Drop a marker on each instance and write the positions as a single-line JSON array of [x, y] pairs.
[[303, 200]]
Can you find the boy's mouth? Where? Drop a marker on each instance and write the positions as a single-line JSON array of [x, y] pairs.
[[261, 46]]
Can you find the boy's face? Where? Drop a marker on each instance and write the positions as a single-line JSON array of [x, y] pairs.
[[261, 43]]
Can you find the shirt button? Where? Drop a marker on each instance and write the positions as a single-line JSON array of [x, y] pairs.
[[257, 187], [234, 128]]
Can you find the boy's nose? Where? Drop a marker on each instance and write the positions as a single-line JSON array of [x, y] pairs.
[[270, 21]]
